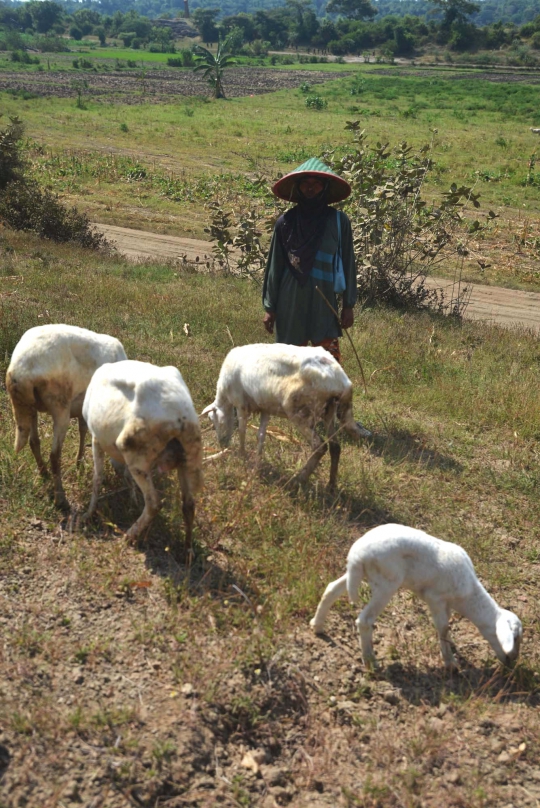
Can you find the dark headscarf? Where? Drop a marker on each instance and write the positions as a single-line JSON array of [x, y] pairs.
[[301, 232]]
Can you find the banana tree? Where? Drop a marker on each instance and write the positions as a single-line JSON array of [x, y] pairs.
[[214, 65]]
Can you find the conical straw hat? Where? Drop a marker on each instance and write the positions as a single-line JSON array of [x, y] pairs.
[[287, 187]]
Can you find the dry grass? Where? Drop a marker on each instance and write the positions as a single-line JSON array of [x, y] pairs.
[[128, 679]]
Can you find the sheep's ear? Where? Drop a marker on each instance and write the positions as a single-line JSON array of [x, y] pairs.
[[210, 409], [505, 635]]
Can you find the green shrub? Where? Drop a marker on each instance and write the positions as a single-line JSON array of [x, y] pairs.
[[11, 161], [25, 95], [184, 59], [187, 57], [50, 44], [23, 57], [24, 205], [316, 102], [398, 235]]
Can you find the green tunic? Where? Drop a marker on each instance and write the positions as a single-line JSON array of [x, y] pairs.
[[301, 313]]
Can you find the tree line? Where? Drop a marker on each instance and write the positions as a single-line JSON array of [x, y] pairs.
[[338, 27]]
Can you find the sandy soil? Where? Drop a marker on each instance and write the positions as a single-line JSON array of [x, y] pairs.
[[507, 307]]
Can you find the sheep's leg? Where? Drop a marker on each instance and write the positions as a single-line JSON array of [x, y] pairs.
[[381, 595], [335, 448], [61, 421], [188, 507], [141, 472], [332, 592], [35, 445], [319, 449], [440, 614], [99, 462], [242, 427], [83, 430], [261, 435]]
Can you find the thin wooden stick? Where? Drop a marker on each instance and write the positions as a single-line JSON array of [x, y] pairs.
[[332, 309]]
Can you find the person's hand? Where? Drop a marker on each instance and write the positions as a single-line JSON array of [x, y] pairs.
[[347, 317], [268, 321]]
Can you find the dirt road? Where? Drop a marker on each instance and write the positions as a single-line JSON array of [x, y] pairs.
[[507, 307]]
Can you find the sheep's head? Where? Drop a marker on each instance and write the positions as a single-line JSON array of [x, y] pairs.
[[223, 421], [509, 633]]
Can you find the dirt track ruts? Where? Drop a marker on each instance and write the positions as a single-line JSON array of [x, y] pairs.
[[507, 307]]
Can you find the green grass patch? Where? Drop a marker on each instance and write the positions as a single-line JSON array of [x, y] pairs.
[[195, 137]]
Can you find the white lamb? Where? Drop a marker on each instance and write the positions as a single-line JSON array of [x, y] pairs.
[[305, 385], [143, 416], [49, 371], [441, 573]]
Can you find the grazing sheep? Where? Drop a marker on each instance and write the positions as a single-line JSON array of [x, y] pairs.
[[441, 573], [49, 371], [305, 385], [143, 416]]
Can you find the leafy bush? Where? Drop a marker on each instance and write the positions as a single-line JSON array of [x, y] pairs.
[[75, 33], [85, 64], [316, 102], [50, 44], [398, 236], [24, 205], [185, 59], [26, 95], [23, 57], [11, 161]]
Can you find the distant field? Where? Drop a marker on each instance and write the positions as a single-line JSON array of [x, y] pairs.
[[155, 165]]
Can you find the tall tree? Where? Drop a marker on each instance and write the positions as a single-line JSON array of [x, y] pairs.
[[352, 9], [205, 21], [45, 14], [455, 10]]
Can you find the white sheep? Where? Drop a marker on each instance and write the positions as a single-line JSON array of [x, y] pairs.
[[49, 371], [305, 385], [440, 572], [142, 416]]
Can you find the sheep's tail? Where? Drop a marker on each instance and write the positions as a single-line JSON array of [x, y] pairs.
[[192, 445], [355, 575], [23, 403]]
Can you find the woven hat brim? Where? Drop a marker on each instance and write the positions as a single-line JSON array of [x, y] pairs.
[[286, 188]]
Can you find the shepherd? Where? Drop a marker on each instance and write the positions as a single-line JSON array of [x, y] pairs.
[[311, 247]]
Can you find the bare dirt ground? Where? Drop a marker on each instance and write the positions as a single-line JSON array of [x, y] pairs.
[[105, 705], [506, 307], [155, 86]]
